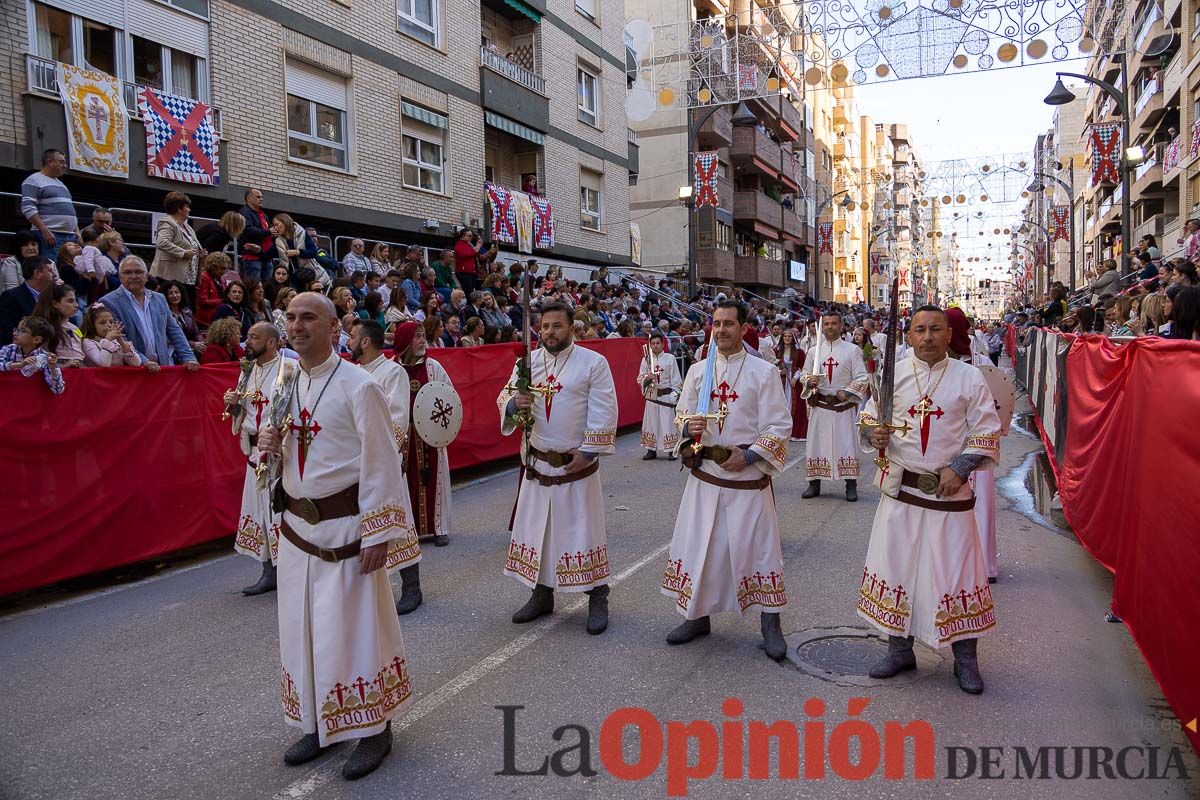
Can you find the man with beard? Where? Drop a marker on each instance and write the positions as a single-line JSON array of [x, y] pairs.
[[427, 468], [366, 344], [344, 674], [658, 378], [925, 575], [725, 553], [560, 503], [257, 533]]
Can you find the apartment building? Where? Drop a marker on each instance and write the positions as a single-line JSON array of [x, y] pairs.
[[913, 217], [760, 235], [375, 118]]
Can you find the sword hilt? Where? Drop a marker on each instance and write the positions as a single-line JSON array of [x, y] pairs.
[[542, 390], [866, 421]]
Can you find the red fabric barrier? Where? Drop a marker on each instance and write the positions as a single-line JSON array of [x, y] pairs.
[[1010, 341], [1128, 488], [126, 466]]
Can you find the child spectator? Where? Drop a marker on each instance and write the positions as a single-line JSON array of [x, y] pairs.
[[57, 306], [104, 342], [28, 353]]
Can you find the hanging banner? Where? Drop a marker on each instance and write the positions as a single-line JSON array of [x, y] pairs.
[[96, 125], [904, 287], [1171, 154], [825, 237], [523, 211], [1060, 221], [705, 187], [182, 143], [876, 263], [543, 223], [1194, 144], [1106, 148], [635, 243], [504, 214]]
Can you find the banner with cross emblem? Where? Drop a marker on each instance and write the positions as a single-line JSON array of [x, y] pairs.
[[96, 126], [504, 214], [825, 238], [1106, 146], [182, 143], [1060, 220], [705, 187]]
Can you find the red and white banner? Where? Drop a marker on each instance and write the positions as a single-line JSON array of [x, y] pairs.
[[1194, 144], [1060, 221], [705, 186], [825, 237], [1106, 149]]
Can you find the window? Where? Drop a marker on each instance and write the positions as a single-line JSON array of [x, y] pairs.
[[316, 110], [588, 85], [590, 199], [100, 47], [423, 163], [419, 19], [587, 8], [54, 35], [163, 68], [147, 63], [633, 179]]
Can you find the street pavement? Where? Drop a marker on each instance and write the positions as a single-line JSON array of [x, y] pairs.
[[168, 688]]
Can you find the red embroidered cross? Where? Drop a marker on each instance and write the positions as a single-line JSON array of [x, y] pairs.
[[723, 397], [305, 433], [830, 365], [259, 402], [923, 411], [899, 592], [361, 685], [552, 386]]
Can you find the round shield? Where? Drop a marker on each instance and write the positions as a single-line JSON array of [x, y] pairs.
[[437, 413], [1003, 392]]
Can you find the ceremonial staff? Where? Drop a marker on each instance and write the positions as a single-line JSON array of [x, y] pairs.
[[524, 381], [885, 390], [279, 417]]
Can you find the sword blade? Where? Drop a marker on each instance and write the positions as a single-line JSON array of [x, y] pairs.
[[887, 381]]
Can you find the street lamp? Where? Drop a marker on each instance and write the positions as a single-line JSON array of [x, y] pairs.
[[742, 117], [845, 202], [1061, 95]]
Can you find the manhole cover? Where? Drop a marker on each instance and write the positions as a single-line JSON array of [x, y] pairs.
[[845, 655]]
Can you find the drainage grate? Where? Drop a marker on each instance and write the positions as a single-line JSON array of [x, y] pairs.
[[845, 655]]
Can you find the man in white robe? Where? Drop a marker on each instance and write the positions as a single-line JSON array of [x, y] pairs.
[[366, 348], [924, 575], [725, 553], [558, 536], [257, 532], [346, 516], [659, 379], [835, 374]]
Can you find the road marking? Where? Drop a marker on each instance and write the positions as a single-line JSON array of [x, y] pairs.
[[423, 707], [170, 573]]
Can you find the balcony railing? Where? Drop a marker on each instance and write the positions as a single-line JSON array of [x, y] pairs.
[[1144, 30], [41, 79], [1150, 163], [1149, 89], [631, 135], [511, 70]]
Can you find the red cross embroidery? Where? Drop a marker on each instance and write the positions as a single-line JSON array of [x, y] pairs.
[[724, 397], [305, 433], [923, 411], [259, 402], [830, 365], [552, 387]]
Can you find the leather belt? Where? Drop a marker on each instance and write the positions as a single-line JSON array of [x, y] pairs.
[[761, 483], [922, 482], [253, 444], [660, 403], [831, 403], [342, 504], [668, 390], [331, 556], [554, 459], [532, 474]]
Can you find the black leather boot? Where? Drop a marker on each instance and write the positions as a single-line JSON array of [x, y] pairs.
[[540, 603], [773, 640], [650, 455], [851, 491], [813, 490], [410, 590], [900, 658], [690, 629], [966, 666], [368, 754], [304, 750], [597, 618], [266, 582], [441, 540]]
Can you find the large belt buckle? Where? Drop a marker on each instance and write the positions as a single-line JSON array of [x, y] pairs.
[[555, 459], [306, 510], [928, 482], [327, 555]]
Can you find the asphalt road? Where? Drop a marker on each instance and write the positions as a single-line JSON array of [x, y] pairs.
[[168, 688]]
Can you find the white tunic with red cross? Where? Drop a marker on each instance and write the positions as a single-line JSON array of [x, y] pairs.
[[257, 533], [831, 452], [394, 380], [658, 421], [725, 553], [925, 573]]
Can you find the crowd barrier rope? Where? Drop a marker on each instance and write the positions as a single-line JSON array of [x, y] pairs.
[[1119, 424], [126, 466]]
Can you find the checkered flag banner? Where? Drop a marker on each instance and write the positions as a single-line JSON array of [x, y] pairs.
[[543, 223], [1106, 147], [504, 214], [825, 237], [705, 186], [182, 144], [1060, 220]]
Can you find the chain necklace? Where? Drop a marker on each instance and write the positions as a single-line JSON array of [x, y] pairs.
[[321, 394], [551, 369], [733, 386], [921, 395]]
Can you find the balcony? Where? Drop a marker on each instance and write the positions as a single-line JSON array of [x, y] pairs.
[[634, 150], [1173, 79], [724, 192], [1172, 152], [794, 228], [717, 131], [1151, 226], [758, 270], [715, 263], [1148, 107], [1148, 175], [1152, 24], [791, 120], [513, 91], [754, 149], [757, 210], [40, 80]]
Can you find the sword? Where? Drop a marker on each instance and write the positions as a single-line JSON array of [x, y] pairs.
[[885, 390], [704, 401]]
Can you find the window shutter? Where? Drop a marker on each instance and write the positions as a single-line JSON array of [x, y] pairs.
[[316, 85]]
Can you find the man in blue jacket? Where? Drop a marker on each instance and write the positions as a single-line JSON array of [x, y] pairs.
[[147, 319]]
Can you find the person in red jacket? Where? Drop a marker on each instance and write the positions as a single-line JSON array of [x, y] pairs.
[[208, 290], [222, 344]]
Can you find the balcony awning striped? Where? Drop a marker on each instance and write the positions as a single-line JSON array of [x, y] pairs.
[[424, 115], [524, 8], [515, 128]]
